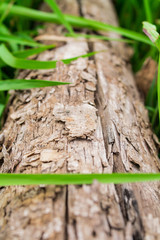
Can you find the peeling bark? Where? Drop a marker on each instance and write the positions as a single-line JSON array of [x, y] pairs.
[[97, 124]]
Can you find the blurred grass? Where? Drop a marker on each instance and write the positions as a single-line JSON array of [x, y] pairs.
[[131, 14], [19, 30]]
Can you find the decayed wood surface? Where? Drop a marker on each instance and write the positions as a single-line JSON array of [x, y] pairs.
[[97, 124], [145, 76]]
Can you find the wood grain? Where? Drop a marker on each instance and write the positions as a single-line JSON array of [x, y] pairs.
[[98, 124]]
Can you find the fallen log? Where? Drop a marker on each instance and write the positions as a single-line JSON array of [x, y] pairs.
[[98, 124]]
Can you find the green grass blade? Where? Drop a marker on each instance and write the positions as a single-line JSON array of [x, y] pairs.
[[148, 12], [150, 109], [158, 21], [154, 116], [60, 15], [5, 31], [33, 51], [2, 106], [21, 63], [75, 21], [18, 40], [158, 86], [6, 12], [2, 64], [28, 53], [69, 60], [101, 37], [95, 25], [18, 84], [7, 179], [151, 98]]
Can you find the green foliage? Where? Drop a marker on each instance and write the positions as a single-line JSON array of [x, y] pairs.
[[74, 21], [151, 31], [32, 51], [12, 33], [148, 11], [18, 40], [100, 37], [18, 84], [131, 15]]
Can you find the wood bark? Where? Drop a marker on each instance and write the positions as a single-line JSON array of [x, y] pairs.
[[98, 124]]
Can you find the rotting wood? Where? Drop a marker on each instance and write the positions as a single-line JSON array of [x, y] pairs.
[[97, 124], [146, 75]]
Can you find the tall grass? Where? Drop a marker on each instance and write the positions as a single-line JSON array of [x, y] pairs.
[[131, 15]]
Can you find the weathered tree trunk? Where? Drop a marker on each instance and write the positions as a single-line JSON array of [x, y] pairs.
[[96, 125]]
